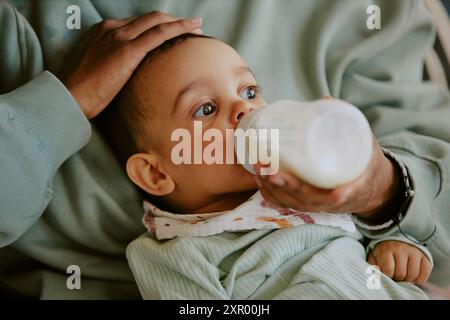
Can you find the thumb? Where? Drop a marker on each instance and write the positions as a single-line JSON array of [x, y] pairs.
[[371, 259]]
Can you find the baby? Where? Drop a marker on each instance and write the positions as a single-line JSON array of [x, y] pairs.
[[197, 78]]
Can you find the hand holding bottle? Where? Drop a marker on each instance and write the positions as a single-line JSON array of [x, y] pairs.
[[330, 161]]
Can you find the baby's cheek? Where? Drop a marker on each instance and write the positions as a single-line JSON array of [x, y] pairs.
[[219, 178]]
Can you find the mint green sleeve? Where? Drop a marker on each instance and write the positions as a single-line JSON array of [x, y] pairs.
[[41, 125], [271, 268]]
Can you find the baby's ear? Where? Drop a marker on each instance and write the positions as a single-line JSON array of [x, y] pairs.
[[145, 170]]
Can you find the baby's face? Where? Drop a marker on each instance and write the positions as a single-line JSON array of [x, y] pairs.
[[200, 80]]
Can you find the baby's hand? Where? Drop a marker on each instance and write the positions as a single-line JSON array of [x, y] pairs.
[[401, 261]]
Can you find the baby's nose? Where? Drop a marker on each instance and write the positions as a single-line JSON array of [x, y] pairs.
[[240, 111], [242, 114]]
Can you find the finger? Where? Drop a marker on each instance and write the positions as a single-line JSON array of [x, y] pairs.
[[329, 198], [286, 199], [198, 31], [372, 260], [127, 20], [157, 35], [299, 201], [270, 198], [137, 26], [386, 263], [425, 271], [401, 266], [105, 27], [110, 24], [267, 195], [295, 185], [413, 269]]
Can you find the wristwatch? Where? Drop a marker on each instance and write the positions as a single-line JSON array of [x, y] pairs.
[[406, 200]]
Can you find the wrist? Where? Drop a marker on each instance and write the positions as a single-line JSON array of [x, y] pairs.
[[82, 98], [388, 198]]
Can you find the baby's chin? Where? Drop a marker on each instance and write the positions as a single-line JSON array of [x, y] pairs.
[[245, 181]]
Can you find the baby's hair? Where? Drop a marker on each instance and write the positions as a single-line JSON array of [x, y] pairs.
[[123, 121]]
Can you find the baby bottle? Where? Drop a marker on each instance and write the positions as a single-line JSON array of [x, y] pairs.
[[326, 142]]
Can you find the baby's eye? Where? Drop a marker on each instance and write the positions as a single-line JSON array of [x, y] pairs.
[[250, 93], [205, 109]]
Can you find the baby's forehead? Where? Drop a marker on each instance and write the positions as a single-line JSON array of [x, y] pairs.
[[190, 70], [184, 62], [190, 54]]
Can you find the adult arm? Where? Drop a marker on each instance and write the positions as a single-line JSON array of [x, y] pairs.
[[381, 71], [41, 125], [44, 122]]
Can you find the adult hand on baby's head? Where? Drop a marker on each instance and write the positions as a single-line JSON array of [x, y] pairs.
[[112, 51], [373, 196]]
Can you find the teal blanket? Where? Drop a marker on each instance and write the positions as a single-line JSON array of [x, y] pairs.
[[305, 262]]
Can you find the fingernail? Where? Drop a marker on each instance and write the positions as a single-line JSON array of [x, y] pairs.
[[196, 20], [198, 31], [277, 180]]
